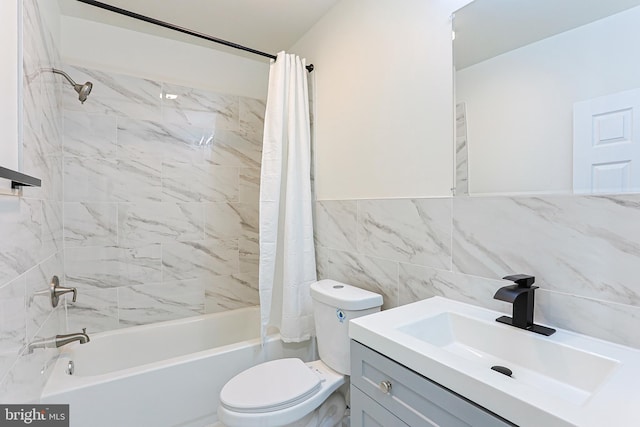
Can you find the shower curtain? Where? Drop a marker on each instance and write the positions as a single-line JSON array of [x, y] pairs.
[[287, 255]]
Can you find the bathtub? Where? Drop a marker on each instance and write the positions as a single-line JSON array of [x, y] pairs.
[[162, 375]]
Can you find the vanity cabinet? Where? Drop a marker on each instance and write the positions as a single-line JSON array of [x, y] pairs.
[[365, 412], [386, 393]]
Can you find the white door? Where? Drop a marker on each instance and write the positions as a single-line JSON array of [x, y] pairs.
[[606, 144]]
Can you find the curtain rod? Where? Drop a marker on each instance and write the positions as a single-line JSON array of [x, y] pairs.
[[179, 29]]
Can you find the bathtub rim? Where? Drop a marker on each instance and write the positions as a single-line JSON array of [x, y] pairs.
[[59, 381], [156, 325]]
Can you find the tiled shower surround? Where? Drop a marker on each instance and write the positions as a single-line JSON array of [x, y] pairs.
[[583, 250], [31, 250], [161, 188]]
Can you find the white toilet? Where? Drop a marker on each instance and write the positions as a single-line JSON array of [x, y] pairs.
[[289, 392]]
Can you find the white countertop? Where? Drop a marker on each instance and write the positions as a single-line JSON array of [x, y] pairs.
[[613, 401]]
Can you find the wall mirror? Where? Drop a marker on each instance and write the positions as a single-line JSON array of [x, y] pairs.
[[543, 87]]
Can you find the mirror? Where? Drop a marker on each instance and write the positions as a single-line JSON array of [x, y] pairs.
[[525, 70]]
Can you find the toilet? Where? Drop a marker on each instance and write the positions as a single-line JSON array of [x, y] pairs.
[[289, 392]]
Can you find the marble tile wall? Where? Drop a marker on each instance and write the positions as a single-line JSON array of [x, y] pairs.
[[31, 249], [462, 155], [161, 186], [583, 250]]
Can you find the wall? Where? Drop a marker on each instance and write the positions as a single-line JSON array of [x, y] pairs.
[[161, 200], [520, 104], [143, 55], [31, 225], [160, 194], [459, 248], [583, 250], [384, 105], [159, 197], [9, 82]]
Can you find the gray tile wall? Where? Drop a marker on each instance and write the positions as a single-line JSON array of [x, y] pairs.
[[161, 188], [31, 249], [583, 250]]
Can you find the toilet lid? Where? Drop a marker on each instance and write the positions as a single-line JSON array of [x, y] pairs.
[[270, 386]]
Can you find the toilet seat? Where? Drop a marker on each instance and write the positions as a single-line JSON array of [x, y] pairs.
[[270, 386], [276, 413]]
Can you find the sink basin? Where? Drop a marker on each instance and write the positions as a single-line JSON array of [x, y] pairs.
[[566, 379], [569, 373]]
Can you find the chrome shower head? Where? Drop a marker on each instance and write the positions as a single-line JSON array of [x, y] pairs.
[[83, 90]]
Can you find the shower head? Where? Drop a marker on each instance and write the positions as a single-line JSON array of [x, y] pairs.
[[83, 90]]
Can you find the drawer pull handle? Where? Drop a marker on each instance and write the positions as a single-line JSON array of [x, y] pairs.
[[385, 386]]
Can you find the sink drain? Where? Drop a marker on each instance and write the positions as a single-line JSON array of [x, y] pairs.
[[503, 370]]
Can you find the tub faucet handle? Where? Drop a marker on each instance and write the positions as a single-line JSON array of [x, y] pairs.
[[57, 291], [54, 291]]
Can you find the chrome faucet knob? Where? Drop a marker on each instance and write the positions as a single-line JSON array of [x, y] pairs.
[[53, 286], [57, 291]]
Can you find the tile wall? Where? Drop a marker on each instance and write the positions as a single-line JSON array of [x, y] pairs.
[[161, 186], [31, 249], [148, 205], [583, 250], [462, 148]]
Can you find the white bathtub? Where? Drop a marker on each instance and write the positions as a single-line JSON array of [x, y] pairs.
[[162, 375]]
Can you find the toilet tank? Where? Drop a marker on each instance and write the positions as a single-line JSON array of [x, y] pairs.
[[334, 304]]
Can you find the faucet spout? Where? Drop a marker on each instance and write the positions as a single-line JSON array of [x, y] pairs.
[[512, 293], [59, 341], [522, 296], [81, 337], [523, 303]]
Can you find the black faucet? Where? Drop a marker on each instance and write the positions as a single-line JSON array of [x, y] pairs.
[[521, 295]]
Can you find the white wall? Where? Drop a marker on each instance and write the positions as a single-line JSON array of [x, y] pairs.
[[9, 84], [384, 125], [384, 94], [520, 104], [100, 46]]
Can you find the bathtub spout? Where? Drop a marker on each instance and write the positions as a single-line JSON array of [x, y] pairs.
[[59, 341], [82, 337]]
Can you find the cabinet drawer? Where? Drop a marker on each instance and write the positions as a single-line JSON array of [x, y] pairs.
[[365, 412], [411, 397]]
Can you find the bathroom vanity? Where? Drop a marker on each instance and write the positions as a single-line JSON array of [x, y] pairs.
[[386, 393], [439, 362]]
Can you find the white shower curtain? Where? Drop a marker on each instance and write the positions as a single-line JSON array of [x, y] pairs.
[[287, 255]]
